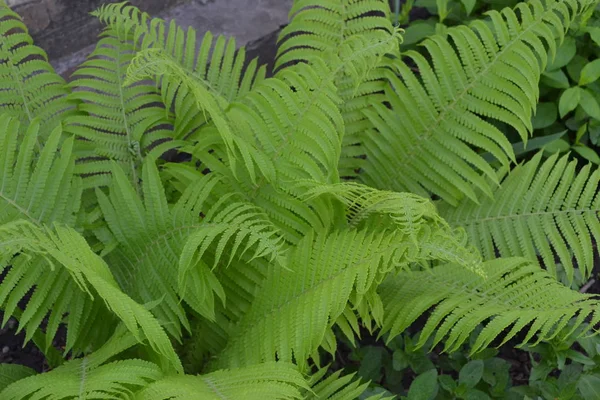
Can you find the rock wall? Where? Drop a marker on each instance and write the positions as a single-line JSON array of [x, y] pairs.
[[64, 26]]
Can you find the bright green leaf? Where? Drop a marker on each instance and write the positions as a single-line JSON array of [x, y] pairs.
[[424, 387], [559, 146], [569, 100], [587, 153], [594, 32], [471, 373], [590, 73]]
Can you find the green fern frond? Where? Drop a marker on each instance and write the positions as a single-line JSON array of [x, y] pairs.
[[148, 240], [216, 63], [295, 307], [406, 210], [90, 377], [63, 246], [30, 87], [422, 143], [540, 209], [274, 380], [37, 187], [319, 27], [117, 122], [10, 373], [337, 387], [332, 30], [155, 63], [515, 295]]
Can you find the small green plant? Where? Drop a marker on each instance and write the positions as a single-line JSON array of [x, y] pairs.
[[358, 189]]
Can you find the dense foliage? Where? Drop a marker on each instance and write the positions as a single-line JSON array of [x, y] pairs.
[[361, 187]]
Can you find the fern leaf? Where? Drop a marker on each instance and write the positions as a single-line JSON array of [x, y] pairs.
[[30, 87], [10, 373], [514, 295], [275, 380], [334, 30], [118, 123], [67, 248], [216, 63], [90, 377], [295, 307], [543, 209], [38, 189], [423, 143], [155, 63]]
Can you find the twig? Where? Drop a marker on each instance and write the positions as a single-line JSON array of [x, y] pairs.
[[588, 285]]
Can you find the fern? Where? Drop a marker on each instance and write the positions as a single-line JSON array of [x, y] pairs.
[[264, 381], [332, 29], [216, 63], [66, 247], [485, 71], [117, 122], [255, 253], [514, 295], [30, 87], [543, 209]]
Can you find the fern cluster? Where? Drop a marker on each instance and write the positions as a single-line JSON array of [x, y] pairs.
[[305, 210]]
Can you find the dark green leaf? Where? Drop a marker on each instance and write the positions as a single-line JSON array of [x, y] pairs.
[[474, 394], [424, 387], [569, 100], [545, 115], [399, 360], [590, 73], [589, 386], [575, 66], [371, 363], [417, 32], [589, 104], [556, 79], [447, 383], [564, 54], [469, 5], [471, 373]]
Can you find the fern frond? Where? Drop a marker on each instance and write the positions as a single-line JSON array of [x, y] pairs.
[[65, 247], [540, 209], [155, 63], [117, 122], [274, 380], [90, 377], [423, 142], [216, 63], [10, 373], [30, 87], [336, 387], [39, 188], [514, 295], [296, 307], [333, 30]]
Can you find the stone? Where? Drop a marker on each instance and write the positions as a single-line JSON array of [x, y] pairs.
[[55, 9], [35, 16]]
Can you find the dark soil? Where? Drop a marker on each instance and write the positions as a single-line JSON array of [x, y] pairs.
[[13, 352]]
